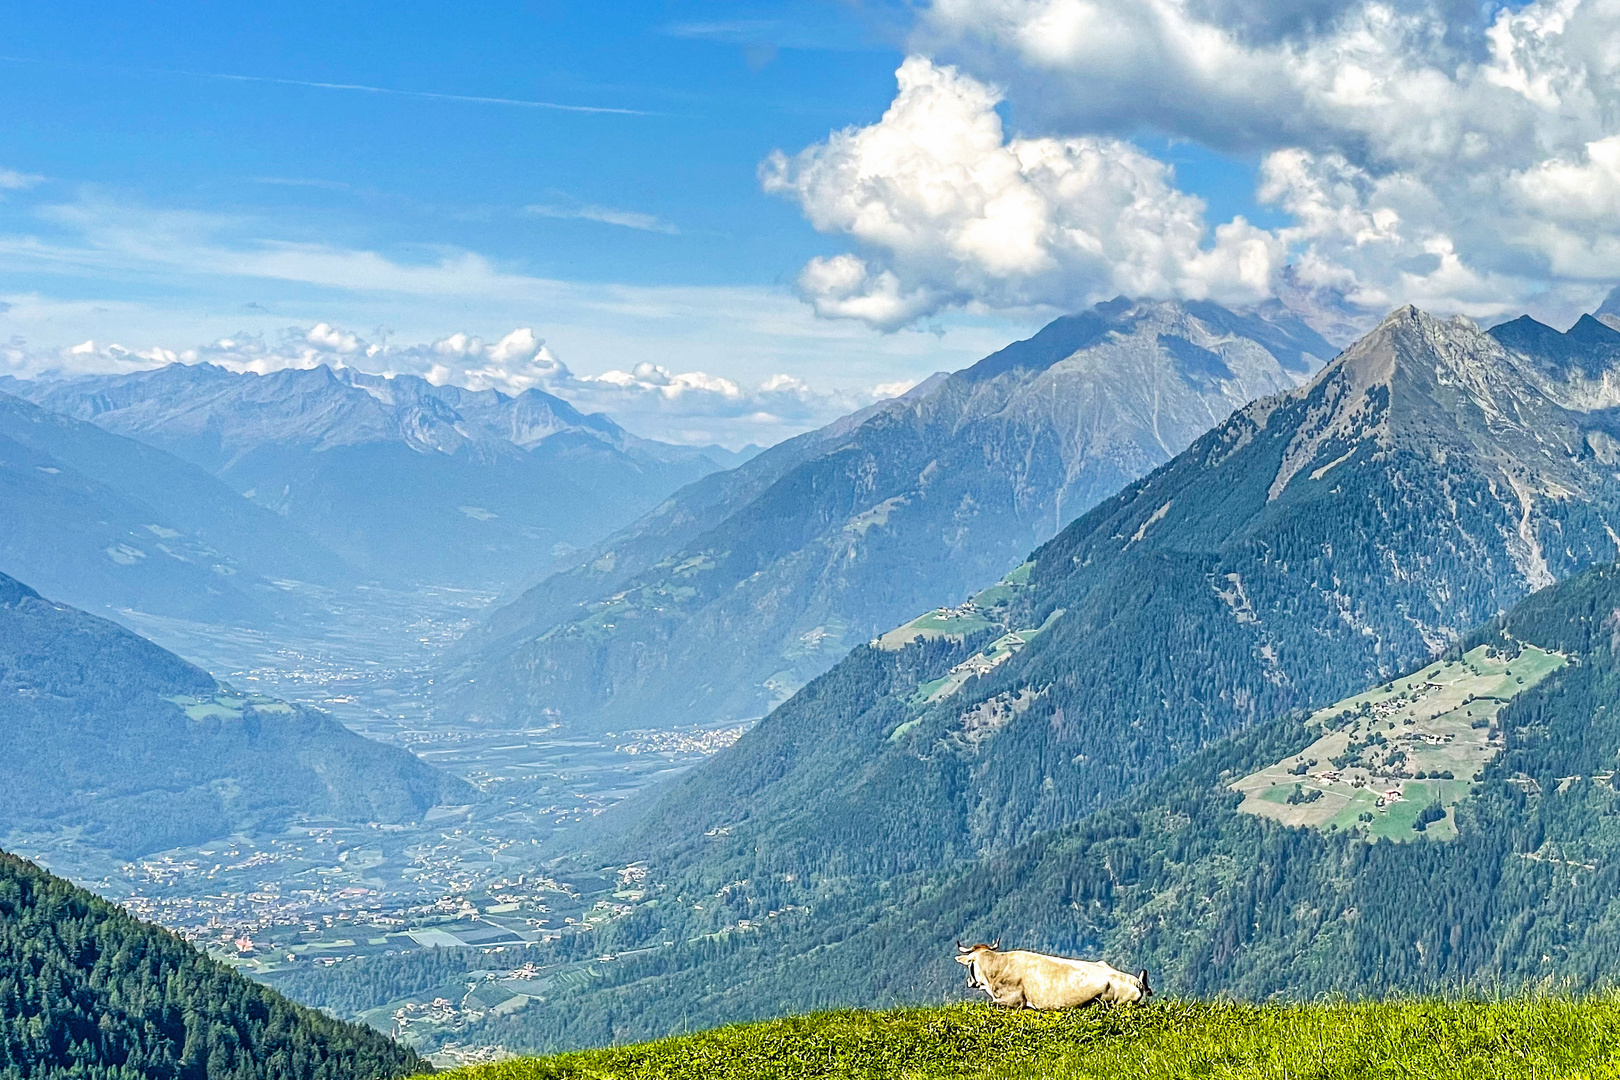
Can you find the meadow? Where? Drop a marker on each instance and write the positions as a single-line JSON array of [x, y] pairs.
[[1540, 1037]]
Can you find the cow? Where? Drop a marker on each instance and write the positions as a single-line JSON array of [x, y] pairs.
[[1029, 980]]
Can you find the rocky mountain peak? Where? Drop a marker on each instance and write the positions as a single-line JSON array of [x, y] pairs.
[[1514, 396]]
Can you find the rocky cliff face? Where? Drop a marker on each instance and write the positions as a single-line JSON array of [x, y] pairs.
[[738, 591]]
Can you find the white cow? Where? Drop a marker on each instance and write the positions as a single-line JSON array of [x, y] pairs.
[[1017, 979]]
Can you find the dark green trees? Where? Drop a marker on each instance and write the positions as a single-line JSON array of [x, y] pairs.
[[88, 991]]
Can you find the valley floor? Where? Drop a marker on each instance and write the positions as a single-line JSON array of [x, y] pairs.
[[1542, 1037]]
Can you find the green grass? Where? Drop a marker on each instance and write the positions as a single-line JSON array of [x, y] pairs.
[[1540, 1037]]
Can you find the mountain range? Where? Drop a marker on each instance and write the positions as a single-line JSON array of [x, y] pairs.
[[1497, 880], [1317, 540], [405, 481], [107, 735], [107, 522], [1123, 745], [742, 587]]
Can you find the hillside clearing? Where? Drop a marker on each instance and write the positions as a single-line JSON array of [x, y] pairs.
[[1533, 1037], [1386, 753]]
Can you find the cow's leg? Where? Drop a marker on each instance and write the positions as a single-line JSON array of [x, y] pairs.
[[1011, 997]]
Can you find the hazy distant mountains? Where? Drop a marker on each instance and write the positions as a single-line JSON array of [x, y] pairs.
[[744, 586], [105, 521], [104, 733], [403, 480]]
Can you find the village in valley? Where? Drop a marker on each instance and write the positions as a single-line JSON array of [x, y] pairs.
[[1392, 762]]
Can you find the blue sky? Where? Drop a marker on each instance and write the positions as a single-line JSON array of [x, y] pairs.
[[199, 124], [172, 175]]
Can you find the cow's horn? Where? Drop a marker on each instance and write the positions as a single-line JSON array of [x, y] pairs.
[[995, 945], [1146, 989], [960, 947]]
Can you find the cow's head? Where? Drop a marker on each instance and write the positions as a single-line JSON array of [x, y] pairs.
[[1130, 989], [968, 956]]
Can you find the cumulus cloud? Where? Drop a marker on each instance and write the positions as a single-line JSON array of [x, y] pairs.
[[648, 399], [953, 212], [1462, 155]]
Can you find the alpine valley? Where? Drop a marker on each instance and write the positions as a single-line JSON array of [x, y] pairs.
[[1310, 697], [406, 481], [128, 749], [1102, 751], [113, 524], [741, 588]]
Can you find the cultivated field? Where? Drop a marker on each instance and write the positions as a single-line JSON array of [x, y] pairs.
[[1388, 754]]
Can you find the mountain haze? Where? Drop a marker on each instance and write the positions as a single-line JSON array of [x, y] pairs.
[[1079, 762], [1316, 541], [408, 481], [106, 733], [107, 522], [1510, 887], [741, 588]]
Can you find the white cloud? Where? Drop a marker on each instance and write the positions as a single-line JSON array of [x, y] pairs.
[[606, 215], [12, 180], [951, 212], [649, 399], [1427, 150], [214, 277]]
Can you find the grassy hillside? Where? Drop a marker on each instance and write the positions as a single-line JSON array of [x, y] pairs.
[[1542, 1037]]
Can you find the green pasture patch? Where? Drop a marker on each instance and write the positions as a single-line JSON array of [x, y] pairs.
[[1396, 822], [1426, 734], [996, 595], [213, 710], [903, 729], [1542, 1037]]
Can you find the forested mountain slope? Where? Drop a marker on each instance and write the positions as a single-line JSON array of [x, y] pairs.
[[87, 991], [104, 732], [653, 538], [107, 522], [408, 481], [1317, 541], [1510, 882], [742, 588]]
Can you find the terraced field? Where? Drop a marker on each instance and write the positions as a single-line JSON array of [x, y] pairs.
[[1386, 756]]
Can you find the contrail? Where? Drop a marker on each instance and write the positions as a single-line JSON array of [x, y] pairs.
[[361, 88]]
